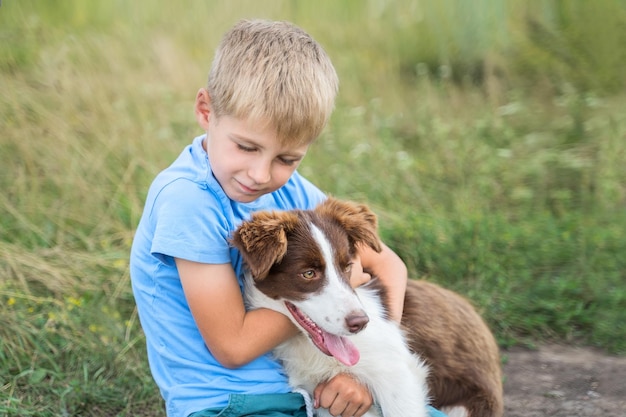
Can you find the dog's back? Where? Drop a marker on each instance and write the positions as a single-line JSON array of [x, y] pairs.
[[463, 357]]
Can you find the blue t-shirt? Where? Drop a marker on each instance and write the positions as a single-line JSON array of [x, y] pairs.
[[187, 215]]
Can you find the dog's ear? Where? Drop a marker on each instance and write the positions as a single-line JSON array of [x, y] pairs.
[[359, 222], [262, 240]]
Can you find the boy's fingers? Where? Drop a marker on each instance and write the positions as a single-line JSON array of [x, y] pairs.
[[358, 277], [342, 396]]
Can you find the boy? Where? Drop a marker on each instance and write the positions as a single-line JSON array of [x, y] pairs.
[[270, 92]]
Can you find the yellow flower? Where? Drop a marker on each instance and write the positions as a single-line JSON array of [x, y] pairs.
[[11, 301], [120, 263], [74, 301]]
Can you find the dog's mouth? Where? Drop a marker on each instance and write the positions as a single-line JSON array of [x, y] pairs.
[[338, 347]]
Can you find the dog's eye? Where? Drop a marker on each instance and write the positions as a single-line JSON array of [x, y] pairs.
[[310, 274], [348, 268]]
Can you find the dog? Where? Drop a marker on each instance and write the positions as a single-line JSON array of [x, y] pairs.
[[443, 354]]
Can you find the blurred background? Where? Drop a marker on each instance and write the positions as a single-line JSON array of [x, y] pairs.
[[489, 136]]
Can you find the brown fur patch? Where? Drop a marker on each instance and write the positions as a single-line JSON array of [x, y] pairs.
[[280, 245], [356, 220], [262, 240], [446, 331]]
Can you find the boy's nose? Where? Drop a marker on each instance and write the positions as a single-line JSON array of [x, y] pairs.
[[260, 172]]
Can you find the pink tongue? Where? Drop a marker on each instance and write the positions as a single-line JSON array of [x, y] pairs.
[[342, 349]]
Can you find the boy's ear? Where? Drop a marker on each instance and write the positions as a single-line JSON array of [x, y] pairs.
[[202, 108], [262, 241], [359, 222]]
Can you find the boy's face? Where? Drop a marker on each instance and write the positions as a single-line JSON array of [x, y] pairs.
[[249, 161]]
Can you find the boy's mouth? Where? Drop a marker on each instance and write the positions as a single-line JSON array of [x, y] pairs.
[[245, 189]]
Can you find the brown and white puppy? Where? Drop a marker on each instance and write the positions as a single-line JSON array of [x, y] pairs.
[[299, 264]]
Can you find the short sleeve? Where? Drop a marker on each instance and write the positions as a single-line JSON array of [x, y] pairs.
[[189, 224]]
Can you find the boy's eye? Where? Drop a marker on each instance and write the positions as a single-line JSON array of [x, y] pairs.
[[286, 161], [348, 268], [245, 148]]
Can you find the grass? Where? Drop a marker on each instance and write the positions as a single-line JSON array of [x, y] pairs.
[[490, 144]]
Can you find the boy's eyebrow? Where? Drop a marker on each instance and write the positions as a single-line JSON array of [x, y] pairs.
[[294, 155], [252, 142], [244, 139]]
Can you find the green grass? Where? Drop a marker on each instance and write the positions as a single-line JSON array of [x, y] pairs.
[[491, 144]]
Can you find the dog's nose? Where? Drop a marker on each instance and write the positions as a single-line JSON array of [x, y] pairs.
[[357, 322]]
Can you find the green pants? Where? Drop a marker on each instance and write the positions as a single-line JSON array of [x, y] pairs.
[[266, 405]]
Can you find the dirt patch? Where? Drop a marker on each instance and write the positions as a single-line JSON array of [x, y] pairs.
[[563, 381]]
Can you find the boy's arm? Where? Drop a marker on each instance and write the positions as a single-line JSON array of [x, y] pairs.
[[234, 336], [391, 270]]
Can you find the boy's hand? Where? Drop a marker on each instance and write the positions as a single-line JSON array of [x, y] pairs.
[[358, 277], [343, 396]]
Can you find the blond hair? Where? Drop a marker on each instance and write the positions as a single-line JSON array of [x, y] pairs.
[[274, 73]]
